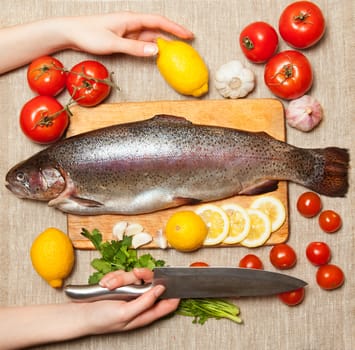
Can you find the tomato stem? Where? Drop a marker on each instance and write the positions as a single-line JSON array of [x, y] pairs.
[[109, 81], [47, 120], [287, 70], [45, 68], [301, 17], [248, 44]]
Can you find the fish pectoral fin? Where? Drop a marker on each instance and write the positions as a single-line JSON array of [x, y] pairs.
[[260, 187], [85, 202], [179, 201]]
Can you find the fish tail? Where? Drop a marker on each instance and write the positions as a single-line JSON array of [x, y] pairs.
[[331, 172]]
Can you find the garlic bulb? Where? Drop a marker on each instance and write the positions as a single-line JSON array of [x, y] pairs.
[[233, 80], [304, 113]]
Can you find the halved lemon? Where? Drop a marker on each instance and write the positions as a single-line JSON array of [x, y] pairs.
[[273, 208], [239, 223], [217, 223], [260, 229]]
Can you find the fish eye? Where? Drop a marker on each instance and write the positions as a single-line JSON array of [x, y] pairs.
[[20, 176]]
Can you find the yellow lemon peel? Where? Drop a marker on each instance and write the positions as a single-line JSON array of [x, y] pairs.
[[52, 256], [182, 67]]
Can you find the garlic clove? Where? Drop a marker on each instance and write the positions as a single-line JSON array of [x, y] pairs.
[[160, 239], [140, 239], [119, 229], [133, 228]]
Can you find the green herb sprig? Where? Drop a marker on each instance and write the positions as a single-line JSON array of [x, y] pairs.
[[116, 255], [203, 309]]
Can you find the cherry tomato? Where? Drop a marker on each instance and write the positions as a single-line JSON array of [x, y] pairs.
[[302, 24], [199, 264], [318, 253], [288, 74], [46, 76], [292, 298], [251, 261], [329, 221], [283, 256], [330, 277], [309, 204], [258, 41], [43, 119], [89, 83]]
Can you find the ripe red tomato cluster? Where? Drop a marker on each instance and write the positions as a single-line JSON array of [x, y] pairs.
[[287, 74], [309, 205], [43, 119], [328, 276]]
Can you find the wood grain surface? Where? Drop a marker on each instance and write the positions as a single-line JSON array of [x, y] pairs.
[[253, 115]]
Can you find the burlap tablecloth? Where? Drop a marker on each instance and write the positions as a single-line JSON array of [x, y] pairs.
[[325, 319]]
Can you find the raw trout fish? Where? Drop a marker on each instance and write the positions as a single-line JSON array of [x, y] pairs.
[[167, 161]]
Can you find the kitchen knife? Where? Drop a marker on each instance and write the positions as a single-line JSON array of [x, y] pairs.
[[192, 282]]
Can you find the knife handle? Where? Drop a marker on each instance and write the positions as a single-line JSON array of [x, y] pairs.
[[85, 293]]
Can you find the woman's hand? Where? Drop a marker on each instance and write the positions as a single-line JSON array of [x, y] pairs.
[[126, 32], [113, 316], [24, 326]]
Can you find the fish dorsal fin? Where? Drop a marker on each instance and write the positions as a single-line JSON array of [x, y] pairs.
[[167, 118]]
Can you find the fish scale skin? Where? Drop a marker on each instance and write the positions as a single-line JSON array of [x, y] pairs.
[[150, 165], [128, 154]]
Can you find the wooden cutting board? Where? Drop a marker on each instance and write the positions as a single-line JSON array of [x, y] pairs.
[[248, 114]]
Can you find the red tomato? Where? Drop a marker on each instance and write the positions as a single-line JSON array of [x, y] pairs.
[[330, 277], [329, 221], [318, 253], [309, 204], [46, 76], [288, 74], [89, 83], [199, 264], [251, 261], [302, 24], [43, 119], [258, 41], [283, 256], [292, 298]]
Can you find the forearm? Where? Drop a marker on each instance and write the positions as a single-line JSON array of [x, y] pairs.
[[32, 325], [21, 44]]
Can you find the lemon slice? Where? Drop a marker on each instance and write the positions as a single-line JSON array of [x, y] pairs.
[[260, 229], [239, 223], [273, 208], [217, 223]]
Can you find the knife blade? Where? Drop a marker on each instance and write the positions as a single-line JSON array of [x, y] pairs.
[[187, 282]]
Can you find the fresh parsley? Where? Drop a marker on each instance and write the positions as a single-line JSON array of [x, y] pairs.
[[116, 255]]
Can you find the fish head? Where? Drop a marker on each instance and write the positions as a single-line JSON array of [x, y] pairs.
[[33, 181]]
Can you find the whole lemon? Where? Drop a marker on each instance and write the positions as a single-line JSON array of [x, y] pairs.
[[52, 256], [185, 231], [182, 67]]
